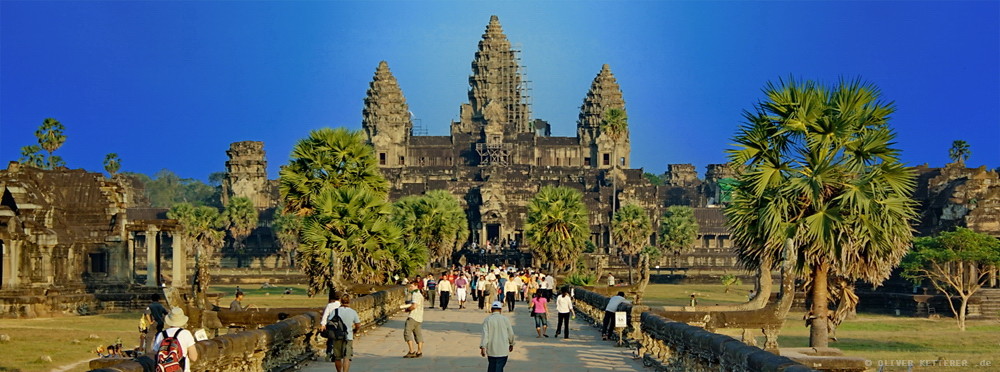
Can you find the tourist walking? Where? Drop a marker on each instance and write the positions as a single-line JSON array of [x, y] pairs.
[[342, 349], [498, 339], [174, 345], [540, 310], [611, 280], [431, 286], [550, 282], [411, 330], [609, 315], [564, 308], [157, 311], [481, 289], [510, 287], [332, 304], [462, 289], [444, 289]]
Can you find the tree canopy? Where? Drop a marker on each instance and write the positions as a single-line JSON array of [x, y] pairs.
[[51, 137], [956, 263], [678, 229], [557, 226], [820, 170], [959, 151], [435, 220]]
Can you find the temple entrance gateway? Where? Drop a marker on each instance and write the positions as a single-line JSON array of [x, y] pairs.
[[493, 232]]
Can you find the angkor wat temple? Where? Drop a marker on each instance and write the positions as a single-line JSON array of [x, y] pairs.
[[69, 237]]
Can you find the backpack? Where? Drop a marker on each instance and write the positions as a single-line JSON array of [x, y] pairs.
[[170, 354], [335, 327]]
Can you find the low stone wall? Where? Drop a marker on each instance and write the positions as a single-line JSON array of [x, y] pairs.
[[667, 345], [277, 347]]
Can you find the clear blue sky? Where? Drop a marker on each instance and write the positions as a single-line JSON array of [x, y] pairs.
[[171, 84]]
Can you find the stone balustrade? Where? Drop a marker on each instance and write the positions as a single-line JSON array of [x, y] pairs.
[[276, 347], [673, 346]]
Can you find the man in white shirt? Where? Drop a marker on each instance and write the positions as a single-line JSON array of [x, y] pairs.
[[411, 330], [343, 350], [550, 282], [609, 314], [444, 289], [510, 289], [334, 304], [498, 339]]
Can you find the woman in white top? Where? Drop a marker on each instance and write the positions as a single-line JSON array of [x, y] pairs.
[[564, 307]]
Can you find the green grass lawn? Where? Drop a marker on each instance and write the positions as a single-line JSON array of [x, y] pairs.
[[869, 336], [270, 297], [64, 339]]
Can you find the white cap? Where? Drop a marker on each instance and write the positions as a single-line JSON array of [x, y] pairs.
[[497, 305]]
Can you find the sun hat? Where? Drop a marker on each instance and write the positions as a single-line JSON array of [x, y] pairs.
[[176, 318], [497, 305]]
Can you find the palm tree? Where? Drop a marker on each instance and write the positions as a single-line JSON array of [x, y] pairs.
[[436, 220], [240, 218], [821, 173], [557, 225], [678, 230], [328, 158], [201, 227], [350, 235], [631, 227], [615, 126], [287, 227], [31, 156], [959, 151], [332, 181], [112, 164]]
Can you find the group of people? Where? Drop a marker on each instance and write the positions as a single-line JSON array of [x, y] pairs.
[[493, 288], [172, 345]]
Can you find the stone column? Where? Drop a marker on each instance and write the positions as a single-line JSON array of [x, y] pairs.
[[152, 259], [180, 261]]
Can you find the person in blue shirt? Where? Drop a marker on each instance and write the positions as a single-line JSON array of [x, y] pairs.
[[343, 350]]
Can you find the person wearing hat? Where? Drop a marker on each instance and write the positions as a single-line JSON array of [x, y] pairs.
[[175, 322], [498, 339]]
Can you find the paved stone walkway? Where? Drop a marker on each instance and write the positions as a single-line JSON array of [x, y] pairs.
[[451, 343]]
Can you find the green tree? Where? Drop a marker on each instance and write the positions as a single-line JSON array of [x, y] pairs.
[[820, 175], [112, 164], [240, 218], [631, 228], [435, 220], [332, 181], [287, 227], [678, 230], [653, 179], [614, 124], [32, 156], [959, 151], [328, 158], [51, 138], [201, 228], [957, 263], [730, 280], [557, 226]]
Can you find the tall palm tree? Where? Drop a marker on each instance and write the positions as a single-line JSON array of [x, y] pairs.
[[821, 173], [678, 230], [614, 124], [332, 181], [240, 218], [112, 164], [631, 228], [201, 227], [350, 236], [557, 225], [436, 220], [50, 138], [959, 151]]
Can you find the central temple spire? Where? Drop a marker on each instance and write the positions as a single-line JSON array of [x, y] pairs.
[[496, 77]]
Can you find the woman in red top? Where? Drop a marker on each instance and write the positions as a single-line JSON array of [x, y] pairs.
[[539, 310]]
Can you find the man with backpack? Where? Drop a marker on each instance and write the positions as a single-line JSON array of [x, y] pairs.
[[340, 327], [174, 347]]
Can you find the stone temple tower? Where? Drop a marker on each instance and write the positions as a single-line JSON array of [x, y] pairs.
[[386, 118], [604, 94], [497, 79], [246, 174]]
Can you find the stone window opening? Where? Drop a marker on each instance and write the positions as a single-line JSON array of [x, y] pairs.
[[586, 161], [402, 160], [381, 158], [99, 262], [423, 160], [621, 161], [607, 159]]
